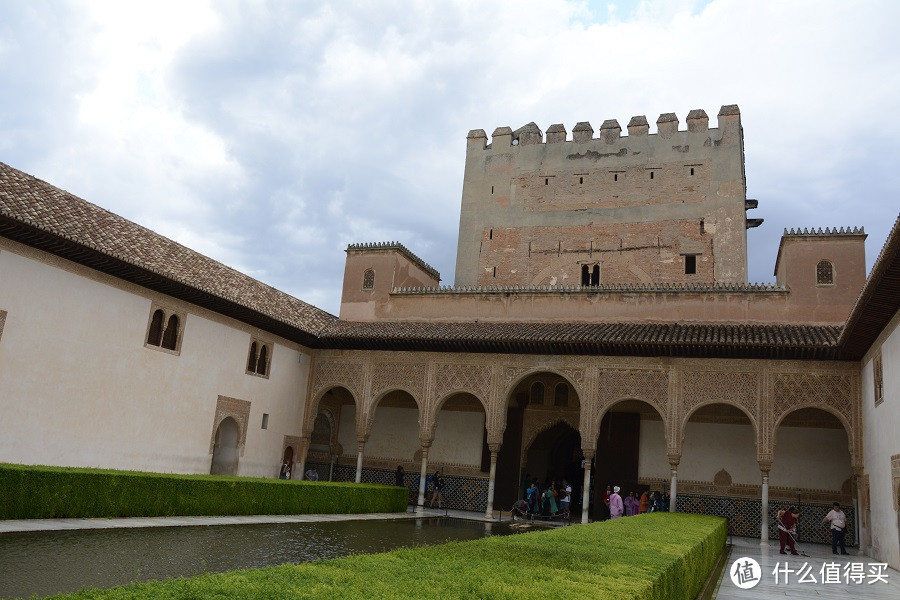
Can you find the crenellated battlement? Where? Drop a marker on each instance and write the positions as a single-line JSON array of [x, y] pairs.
[[667, 126], [828, 231], [380, 246]]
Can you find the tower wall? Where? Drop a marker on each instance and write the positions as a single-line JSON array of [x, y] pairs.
[[538, 212]]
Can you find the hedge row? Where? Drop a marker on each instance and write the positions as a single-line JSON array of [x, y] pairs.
[[658, 556], [36, 492]]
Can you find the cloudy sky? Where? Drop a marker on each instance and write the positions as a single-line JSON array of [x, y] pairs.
[[270, 135]]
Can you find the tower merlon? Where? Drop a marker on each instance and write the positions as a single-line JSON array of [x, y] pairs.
[[477, 139], [610, 131], [638, 125], [528, 134], [667, 125], [556, 133], [582, 132], [698, 121]]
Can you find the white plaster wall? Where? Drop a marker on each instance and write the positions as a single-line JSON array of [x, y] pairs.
[[395, 433], [809, 458], [79, 388], [458, 439], [346, 434], [881, 441]]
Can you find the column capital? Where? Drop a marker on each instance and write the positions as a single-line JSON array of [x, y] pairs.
[[494, 448], [765, 465], [588, 454], [674, 459], [426, 442]]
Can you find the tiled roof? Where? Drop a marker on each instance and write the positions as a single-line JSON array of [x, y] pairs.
[[635, 339], [39, 214]]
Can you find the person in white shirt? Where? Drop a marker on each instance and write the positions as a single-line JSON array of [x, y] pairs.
[[838, 521], [566, 499]]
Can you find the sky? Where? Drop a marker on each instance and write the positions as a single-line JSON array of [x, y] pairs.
[[270, 135]]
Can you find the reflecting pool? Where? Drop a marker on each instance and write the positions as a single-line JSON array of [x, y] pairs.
[[52, 562]]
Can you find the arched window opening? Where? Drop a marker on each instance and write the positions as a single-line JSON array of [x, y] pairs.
[[585, 275], [824, 273], [537, 393], [561, 395], [156, 325], [251, 361], [369, 279], [170, 337], [263, 358], [595, 275]]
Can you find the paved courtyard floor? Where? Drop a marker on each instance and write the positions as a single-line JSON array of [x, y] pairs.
[[834, 575]]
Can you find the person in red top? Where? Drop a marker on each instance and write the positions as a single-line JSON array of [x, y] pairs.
[[787, 527]]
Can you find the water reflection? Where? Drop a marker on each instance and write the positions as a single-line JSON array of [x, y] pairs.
[[52, 562]]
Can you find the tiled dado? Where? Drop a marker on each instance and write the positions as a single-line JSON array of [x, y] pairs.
[[743, 516], [460, 493]]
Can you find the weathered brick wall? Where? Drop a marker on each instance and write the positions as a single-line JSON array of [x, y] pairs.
[[534, 212], [626, 253]]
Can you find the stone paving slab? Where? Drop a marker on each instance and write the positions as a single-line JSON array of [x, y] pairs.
[[820, 555]]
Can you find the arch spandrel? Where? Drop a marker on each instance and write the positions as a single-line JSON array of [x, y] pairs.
[[579, 379], [835, 393], [537, 428], [650, 386], [329, 374], [427, 430], [376, 400]]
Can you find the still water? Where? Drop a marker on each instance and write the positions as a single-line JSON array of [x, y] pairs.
[[51, 562]]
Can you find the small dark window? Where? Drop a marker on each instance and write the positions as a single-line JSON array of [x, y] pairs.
[[702, 227], [878, 378], [546, 181], [492, 190], [692, 171], [491, 234], [595, 275], [651, 174], [170, 337], [824, 273], [154, 336], [261, 364], [251, 361], [690, 264], [561, 395], [537, 393], [265, 421], [495, 271], [585, 275], [581, 180], [615, 177], [369, 279]]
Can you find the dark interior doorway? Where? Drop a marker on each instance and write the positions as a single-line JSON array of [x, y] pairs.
[[618, 444]]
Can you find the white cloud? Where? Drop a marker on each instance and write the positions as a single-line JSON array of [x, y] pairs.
[[309, 126]]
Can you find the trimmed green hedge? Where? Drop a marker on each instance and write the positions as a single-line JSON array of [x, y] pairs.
[[660, 556], [36, 492]]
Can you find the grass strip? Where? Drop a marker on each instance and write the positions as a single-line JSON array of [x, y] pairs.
[[659, 556], [38, 492]]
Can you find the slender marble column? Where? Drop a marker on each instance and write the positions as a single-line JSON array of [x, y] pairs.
[[586, 489], [673, 488], [764, 509], [423, 474], [301, 460], [489, 512], [359, 460]]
